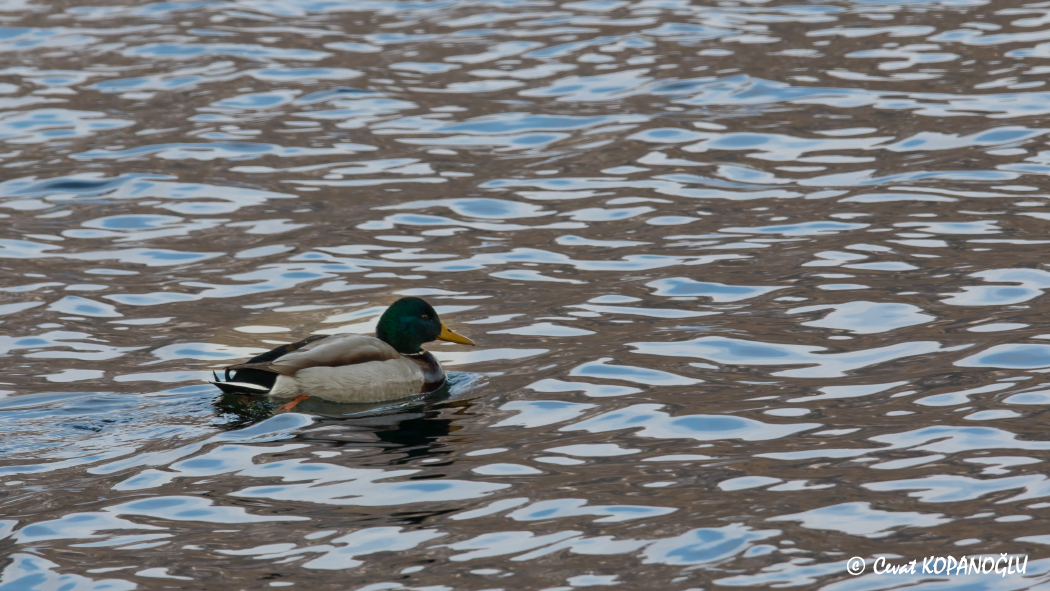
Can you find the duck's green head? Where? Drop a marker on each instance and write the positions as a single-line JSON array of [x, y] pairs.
[[410, 322]]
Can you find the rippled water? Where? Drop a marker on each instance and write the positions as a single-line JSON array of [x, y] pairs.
[[757, 287]]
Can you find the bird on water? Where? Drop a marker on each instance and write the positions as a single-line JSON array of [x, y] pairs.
[[351, 368]]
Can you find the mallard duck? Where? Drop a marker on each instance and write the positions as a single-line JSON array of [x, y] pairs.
[[352, 367]]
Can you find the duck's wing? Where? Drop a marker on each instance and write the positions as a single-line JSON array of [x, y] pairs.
[[254, 376], [338, 350], [284, 349]]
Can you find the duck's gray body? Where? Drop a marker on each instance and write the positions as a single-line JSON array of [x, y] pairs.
[[343, 368]]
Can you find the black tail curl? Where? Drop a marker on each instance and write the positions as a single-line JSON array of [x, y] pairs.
[[246, 381]]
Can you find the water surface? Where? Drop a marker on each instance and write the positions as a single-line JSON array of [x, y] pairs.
[[757, 287]]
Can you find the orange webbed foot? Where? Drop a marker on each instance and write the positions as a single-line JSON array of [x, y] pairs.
[[292, 404]]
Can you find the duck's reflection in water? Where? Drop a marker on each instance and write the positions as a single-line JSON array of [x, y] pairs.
[[402, 431]]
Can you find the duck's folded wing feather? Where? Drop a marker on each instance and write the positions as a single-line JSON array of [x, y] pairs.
[[284, 349], [333, 351]]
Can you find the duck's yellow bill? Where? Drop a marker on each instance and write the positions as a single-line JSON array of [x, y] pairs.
[[453, 337]]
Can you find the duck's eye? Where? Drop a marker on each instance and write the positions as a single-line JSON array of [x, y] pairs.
[[425, 317]]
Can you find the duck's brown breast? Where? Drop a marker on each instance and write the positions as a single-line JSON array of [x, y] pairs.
[[433, 374]]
